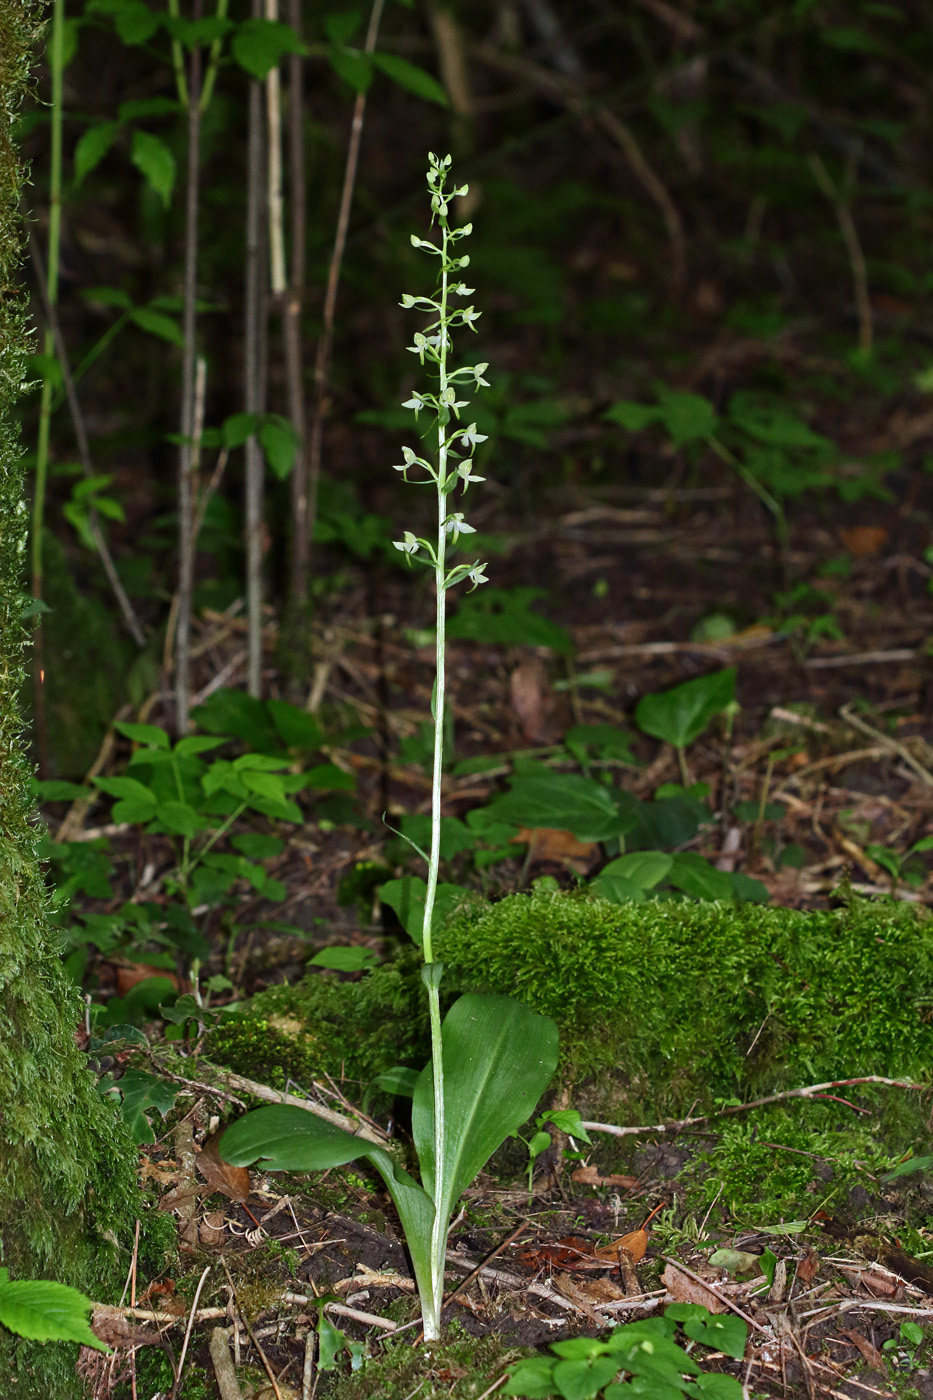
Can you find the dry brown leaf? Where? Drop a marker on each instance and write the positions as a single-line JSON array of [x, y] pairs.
[[590, 1176], [575, 1292], [129, 974], [150, 1172], [546, 843], [211, 1230], [808, 1267], [111, 1326], [686, 1290], [870, 1354], [864, 540], [532, 701], [220, 1176], [879, 1284], [635, 1244]]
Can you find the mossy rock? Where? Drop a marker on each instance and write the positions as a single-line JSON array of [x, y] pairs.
[[350, 1030], [678, 1003]]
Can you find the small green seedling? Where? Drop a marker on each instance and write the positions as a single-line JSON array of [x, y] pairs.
[[678, 716], [491, 1058], [566, 1120], [905, 1345]]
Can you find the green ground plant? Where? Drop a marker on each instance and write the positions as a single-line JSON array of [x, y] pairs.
[[492, 1058]]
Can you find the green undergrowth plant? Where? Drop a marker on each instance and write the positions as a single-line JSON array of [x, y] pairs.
[[492, 1058], [638, 1359], [224, 800], [644, 840]]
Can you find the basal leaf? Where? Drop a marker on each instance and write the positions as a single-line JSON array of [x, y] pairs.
[[679, 715]]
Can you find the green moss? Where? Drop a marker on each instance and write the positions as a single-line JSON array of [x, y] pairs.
[[686, 1002], [69, 1189], [458, 1368], [349, 1030]]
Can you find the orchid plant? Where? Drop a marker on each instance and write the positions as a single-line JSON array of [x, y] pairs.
[[491, 1057]]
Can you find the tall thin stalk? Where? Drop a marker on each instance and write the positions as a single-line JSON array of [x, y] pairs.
[[304, 527], [253, 375], [187, 481], [291, 330], [448, 472], [56, 69]]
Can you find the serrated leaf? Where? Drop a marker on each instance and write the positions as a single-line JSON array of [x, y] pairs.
[[156, 164], [43, 1311], [143, 733], [158, 324], [410, 77], [354, 67], [259, 44], [92, 147]]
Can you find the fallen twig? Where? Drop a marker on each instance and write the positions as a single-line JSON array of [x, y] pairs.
[[811, 1091], [716, 1292]]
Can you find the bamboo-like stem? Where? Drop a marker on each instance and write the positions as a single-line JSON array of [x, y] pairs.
[[186, 456], [291, 331], [326, 343], [274, 171], [134, 626], [253, 390]]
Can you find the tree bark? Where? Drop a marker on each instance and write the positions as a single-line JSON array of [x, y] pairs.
[[67, 1164]]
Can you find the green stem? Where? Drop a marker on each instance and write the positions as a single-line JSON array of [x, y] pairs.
[[431, 1310]]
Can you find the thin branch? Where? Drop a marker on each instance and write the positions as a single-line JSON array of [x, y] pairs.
[[133, 624], [187, 450], [253, 372], [291, 323], [326, 343], [812, 1091]]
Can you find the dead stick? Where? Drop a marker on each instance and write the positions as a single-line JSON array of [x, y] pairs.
[[811, 1091], [711, 1288]]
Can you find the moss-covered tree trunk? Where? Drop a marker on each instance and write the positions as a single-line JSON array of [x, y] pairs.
[[67, 1181]]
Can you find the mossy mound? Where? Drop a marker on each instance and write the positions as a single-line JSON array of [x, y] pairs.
[[352, 1031], [458, 1368], [679, 1003]]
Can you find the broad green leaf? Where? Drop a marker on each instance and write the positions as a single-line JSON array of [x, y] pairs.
[[687, 417], [643, 868], [283, 1138], [259, 44], [340, 28], [713, 1385], [407, 898], [197, 743], [634, 417], [353, 66], [158, 324], [720, 1331], [142, 107], [531, 1379], [44, 1311], [913, 1164], [134, 810], [327, 777], [617, 889], [280, 444], [410, 77], [498, 1057], [140, 1092], [107, 296], [92, 147], [506, 616], [774, 424], [156, 164], [539, 797], [297, 728], [580, 1380], [125, 787], [398, 1080], [179, 818], [344, 958], [238, 427], [695, 876], [57, 790], [143, 733], [679, 715]]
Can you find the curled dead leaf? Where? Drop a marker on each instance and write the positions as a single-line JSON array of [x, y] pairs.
[[220, 1175], [532, 701], [634, 1244], [687, 1290], [590, 1176]]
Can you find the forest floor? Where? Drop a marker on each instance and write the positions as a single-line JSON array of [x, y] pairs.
[[833, 746]]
